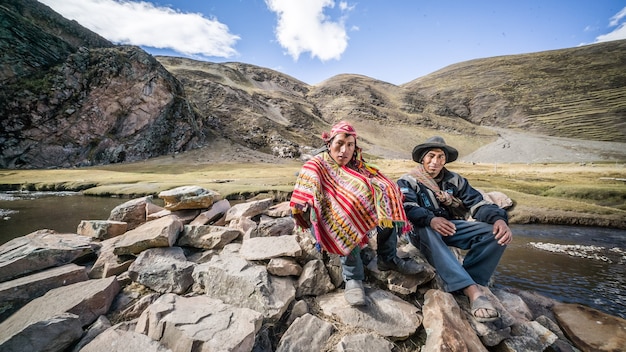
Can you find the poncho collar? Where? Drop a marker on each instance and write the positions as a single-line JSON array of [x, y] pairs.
[[345, 203]]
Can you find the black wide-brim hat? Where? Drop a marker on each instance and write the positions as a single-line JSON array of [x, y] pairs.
[[431, 143]]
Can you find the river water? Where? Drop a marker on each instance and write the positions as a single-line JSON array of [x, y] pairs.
[[570, 264]]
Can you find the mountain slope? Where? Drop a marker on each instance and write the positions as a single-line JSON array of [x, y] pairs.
[[36, 38], [576, 93], [252, 106], [70, 98]]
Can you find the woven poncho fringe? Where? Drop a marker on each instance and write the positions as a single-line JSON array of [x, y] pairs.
[[345, 204]]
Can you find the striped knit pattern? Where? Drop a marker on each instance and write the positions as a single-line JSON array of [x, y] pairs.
[[345, 204]]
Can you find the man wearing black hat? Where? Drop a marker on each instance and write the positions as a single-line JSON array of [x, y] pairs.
[[438, 202]]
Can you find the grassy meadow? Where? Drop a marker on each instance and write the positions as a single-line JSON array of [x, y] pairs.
[[568, 193]]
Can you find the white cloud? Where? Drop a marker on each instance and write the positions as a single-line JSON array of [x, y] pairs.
[[614, 21], [143, 24], [619, 32], [303, 27], [345, 7]]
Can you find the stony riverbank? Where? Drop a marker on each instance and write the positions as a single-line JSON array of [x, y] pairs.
[[139, 277]]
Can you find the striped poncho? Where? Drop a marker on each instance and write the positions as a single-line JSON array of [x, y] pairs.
[[345, 204]]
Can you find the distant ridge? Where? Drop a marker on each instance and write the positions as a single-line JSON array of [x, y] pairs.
[[70, 98], [576, 93]]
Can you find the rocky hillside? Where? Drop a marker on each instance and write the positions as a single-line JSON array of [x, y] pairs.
[[35, 38], [70, 98]]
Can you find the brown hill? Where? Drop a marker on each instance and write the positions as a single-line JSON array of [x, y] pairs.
[[82, 101], [577, 93], [268, 111]]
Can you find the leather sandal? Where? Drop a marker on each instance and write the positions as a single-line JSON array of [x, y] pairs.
[[483, 303]]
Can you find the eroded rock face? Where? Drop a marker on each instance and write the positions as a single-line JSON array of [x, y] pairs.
[[39, 38], [71, 98], [100, 106]]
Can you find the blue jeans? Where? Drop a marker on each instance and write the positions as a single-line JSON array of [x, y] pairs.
[[352, 267], [352, 264], [480, 261]]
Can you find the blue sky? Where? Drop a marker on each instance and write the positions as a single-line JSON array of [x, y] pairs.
[[312, 40]]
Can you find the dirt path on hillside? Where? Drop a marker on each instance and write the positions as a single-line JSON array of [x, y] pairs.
[[516, 147]]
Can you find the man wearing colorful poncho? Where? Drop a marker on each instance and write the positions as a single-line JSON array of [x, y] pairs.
[[341, 199]]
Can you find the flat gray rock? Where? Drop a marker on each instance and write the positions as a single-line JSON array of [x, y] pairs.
[[308, 330], [16, 293], [385, 313], [41, 250], [58, 313], [199, 323], [118, 340]]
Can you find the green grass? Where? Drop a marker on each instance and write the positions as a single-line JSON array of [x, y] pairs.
[[601, 194], [557, 193]]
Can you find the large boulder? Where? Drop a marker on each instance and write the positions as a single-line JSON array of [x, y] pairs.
[[40, 250], [201, 323], [117, 339], [163, 270], [590, 329], [188, 197], [445, 326], [55, 320], [385, 314], [17, 292], [236, 281], [162, 232], [132, 212]]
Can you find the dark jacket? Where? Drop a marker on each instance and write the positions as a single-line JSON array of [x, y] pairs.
[[422, 206]]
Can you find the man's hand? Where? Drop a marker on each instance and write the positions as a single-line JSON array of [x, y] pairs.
[[503, 232], [442, 225]]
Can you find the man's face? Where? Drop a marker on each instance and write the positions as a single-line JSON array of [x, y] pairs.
[[433, 161], [342, 148]]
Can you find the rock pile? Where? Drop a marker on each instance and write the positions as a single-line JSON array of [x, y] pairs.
[[200, 274]]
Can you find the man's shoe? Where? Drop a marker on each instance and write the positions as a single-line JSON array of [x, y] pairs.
[[407, 267], [354, 293]]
